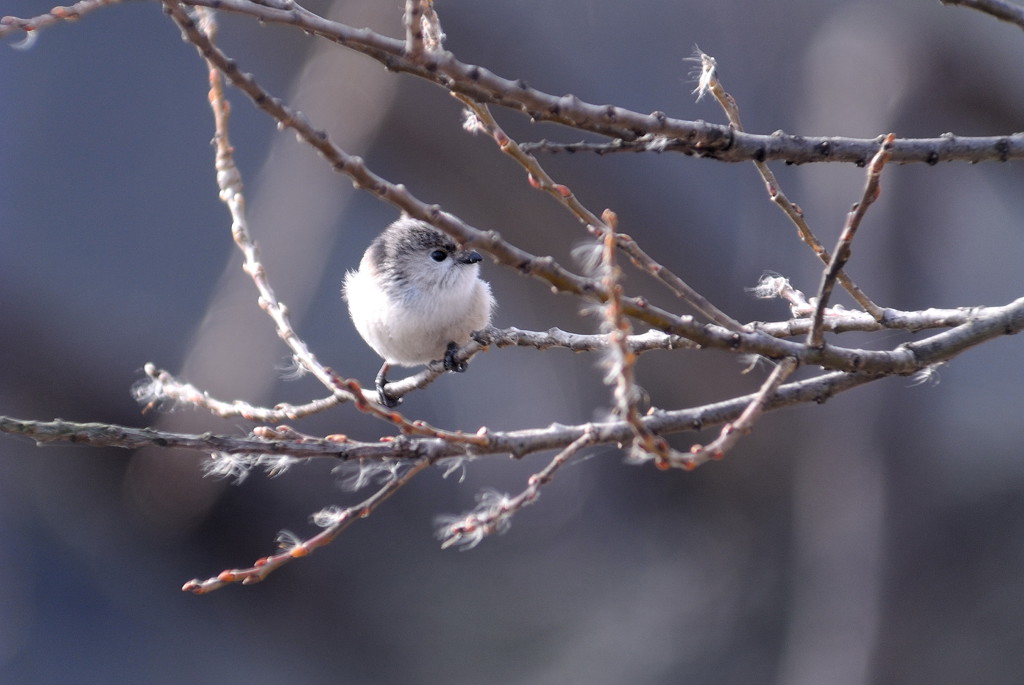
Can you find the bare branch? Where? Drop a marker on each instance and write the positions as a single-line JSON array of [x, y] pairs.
[[413, 29], [517, 443], [495, 511], [710, 83], [9, 24], [845, 245], [333, 520], [162, 386], [479, 117], [626, 127], [620, 362], [690, 137], [732, 431]]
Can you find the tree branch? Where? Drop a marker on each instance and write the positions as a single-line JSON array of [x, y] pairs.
[[866, 365], [708, 82], [517, 443], [689, 137], [1006, 11], [9, 24], [844, 248]]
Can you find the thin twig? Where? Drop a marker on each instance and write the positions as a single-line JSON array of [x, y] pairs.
[[481, 119], [710, 83], [229, 180], [413, 19], [844, 246], [494, 511], [689, 137], [732, 431], [620, 360], [517, 443], [229, 183], [9, 24], [162, 386], [335, 521]]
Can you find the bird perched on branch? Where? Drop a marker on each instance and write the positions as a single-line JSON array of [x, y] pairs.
[[416, 298]]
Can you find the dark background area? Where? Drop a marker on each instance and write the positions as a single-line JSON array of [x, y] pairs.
[[876, 539]]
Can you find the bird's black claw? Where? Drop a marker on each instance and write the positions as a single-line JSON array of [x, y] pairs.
[[450, 364], [383, 396], [385, 399]]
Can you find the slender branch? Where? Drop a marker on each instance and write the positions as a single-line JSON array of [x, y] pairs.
[[709, 82], [621, 361], [59, 431], [161, 386], [333, 520], [9, 24], [494, 511], [229, 180], [413, 19], [229, 183], [732, 431], [1006, 11], [481, 119], [845, 245]]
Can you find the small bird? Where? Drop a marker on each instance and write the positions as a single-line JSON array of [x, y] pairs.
[[416, 297]]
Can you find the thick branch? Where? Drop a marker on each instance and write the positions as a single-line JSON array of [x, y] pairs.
[[516, 443], [689, 137]]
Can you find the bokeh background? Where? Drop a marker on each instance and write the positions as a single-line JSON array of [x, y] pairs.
[[876, 539]]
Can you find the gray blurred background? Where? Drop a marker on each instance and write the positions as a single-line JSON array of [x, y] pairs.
[[875, 539]]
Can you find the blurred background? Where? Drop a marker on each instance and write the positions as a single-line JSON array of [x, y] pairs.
[[876, 539]]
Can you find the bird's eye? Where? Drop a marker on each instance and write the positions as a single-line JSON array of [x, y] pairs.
[[438, 255]]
